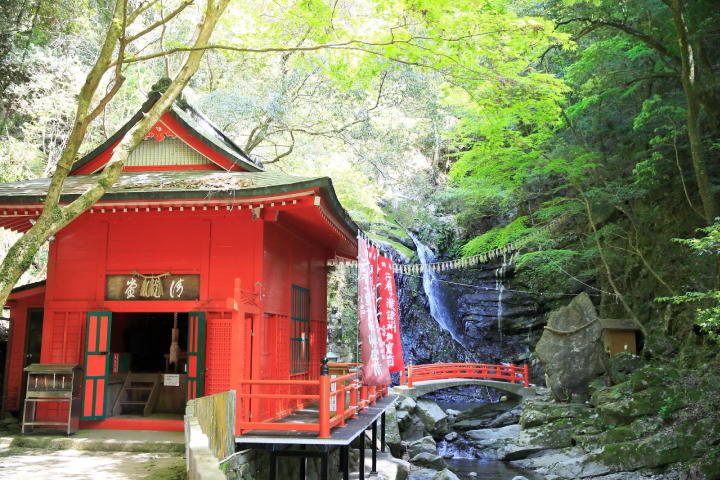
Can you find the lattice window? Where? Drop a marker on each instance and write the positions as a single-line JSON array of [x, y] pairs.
[[170, 151], [217, 356], [300, 330]]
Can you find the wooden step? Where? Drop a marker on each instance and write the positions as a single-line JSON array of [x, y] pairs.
[[142, 377], [139, 382]]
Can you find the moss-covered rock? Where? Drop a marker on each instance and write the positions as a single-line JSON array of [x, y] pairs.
[[625, 362], [612, 394], [649, 376], [536, 414], [660, 347], [709, 465], [691, 439], [617, 435], [647, 402]]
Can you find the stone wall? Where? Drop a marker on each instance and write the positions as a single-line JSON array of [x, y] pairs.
[[209, 434]]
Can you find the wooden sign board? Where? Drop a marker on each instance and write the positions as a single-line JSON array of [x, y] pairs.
[[169, 287]]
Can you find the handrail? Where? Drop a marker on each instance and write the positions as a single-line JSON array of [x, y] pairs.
[[295, 397], [512, 373]]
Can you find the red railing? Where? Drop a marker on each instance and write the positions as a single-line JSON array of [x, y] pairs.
[[288, 399], [439, 371]]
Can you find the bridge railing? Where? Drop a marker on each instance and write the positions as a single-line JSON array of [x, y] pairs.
[[510, 373]]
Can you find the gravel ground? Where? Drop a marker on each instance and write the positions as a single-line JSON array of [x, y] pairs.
[[29, 463]]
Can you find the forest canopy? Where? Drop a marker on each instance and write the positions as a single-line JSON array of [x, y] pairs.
[[475, 122]]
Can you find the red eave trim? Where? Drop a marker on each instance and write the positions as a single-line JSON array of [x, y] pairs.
[[27, 293], [163, 168]]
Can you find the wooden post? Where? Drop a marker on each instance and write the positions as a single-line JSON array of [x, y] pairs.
[[372, 395], [353, 398], [341, 404], [324, 409], [402, 377], [527, 376], [373, 470], [410, 383], [364, 396]]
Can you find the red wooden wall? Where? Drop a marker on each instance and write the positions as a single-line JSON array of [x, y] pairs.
[[221, 246], [291, 259], [16, 355]]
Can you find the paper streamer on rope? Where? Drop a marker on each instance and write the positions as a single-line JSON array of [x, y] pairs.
[[374, 369], [389, 316]]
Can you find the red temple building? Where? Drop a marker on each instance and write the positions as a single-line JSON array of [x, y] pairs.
[[197, 241]]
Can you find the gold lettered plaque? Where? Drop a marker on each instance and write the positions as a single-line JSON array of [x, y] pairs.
[[135, 287]]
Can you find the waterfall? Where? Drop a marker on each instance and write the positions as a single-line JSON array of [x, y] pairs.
[[500, 307], [431, 286]]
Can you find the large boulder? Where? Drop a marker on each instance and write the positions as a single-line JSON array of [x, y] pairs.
[[407, 405], [424, 445], [571, 349], [414, 430], [445, 475], [388, 467], [392, 432], [433, 418], [429, 460]]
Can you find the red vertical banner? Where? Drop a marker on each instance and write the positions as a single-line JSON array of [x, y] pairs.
[[389, 317], [374, 369]]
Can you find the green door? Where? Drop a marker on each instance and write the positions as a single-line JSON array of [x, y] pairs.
[[97, 365], [196, 355]]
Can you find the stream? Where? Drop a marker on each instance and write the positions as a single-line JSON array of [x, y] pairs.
[[466, 459], [465, 462]]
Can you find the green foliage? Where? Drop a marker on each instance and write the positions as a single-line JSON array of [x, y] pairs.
[[670, 405], [707, 317], [497, 237]]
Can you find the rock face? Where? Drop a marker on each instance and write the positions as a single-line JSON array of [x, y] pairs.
[[494, 323], [433, 418], [572, 360]]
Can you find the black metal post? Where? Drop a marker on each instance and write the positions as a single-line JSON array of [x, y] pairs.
[[324, 466], [345, 459], [362, 457], [273, 465], [374, 471], [303, 463], [382, 433]]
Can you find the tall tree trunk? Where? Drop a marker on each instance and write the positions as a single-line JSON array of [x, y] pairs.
[[54, 217], [689, 77]]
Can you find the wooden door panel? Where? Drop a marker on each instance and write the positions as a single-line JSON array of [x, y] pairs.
[[196, 355], [97, 365]]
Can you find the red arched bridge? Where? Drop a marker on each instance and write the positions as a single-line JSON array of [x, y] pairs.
[[419, 380]]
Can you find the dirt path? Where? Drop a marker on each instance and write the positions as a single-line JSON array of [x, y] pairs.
[[30, 463]]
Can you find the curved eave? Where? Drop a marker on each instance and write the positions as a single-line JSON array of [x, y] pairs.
[[32, 203]]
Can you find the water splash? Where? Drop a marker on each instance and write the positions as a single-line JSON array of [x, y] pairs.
[[431, 286]]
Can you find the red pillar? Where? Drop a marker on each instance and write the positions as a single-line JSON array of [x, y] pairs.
[[324, 409], [527, 376]]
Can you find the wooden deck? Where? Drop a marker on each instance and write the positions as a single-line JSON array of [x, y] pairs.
[[339, 436]]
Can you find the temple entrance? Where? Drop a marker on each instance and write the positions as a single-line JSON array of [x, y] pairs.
[[143, 381]]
